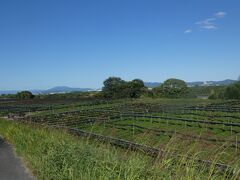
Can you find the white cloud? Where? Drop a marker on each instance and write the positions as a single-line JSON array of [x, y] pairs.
[[220, 14], [188, 31], [207, 23]]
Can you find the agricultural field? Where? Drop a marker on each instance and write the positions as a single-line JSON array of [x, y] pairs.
[[205, 131]]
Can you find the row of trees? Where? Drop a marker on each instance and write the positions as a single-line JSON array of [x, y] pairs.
[[24, 95], [229, 92], [20, 95], [172, 88], [115, 87]]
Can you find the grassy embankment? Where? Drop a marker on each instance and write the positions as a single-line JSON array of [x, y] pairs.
[[54, 154]]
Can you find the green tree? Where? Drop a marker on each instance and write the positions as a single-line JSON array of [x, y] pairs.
[[175, 84], [115, 87], [172, 88], [136, 88], [24, 95], [237, 84], [228, 92], [112, 83], [232, 91]]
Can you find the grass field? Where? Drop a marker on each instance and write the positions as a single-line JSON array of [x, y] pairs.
[[192, 129]]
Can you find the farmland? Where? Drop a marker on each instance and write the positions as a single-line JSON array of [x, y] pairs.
[[204, 131]]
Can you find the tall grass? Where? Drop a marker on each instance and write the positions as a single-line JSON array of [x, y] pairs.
[[54, 154]]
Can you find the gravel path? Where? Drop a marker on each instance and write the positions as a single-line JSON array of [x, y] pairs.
[[11, 167]]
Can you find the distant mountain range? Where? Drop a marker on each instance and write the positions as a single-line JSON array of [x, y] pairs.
[[152, 84], [212, 83], [54, 90], [66, 89], [197, 83]]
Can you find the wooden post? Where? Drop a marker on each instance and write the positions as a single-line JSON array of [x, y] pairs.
[[133, 128], [104, 123], [236, 143]]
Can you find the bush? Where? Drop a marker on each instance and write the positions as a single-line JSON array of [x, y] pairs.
[[25, 95]]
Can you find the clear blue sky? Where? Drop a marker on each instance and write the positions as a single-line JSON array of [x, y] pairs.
[[46, 43]]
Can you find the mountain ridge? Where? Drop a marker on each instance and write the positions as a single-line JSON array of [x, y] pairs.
[[54, 90], [196, 83]]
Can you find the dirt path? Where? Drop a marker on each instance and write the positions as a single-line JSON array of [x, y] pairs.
[[11, 167]]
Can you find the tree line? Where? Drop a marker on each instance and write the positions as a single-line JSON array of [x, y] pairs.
[[117, 88], [230, 92]]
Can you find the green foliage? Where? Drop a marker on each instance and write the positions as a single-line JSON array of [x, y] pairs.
[[172, 88], [7, 96], [54, 154], [237, 84], [230, 92], [205, 90], [24, 95], [175, 84], [115, 87], [136, 88], [71, 95]]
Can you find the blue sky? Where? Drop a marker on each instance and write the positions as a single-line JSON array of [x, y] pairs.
[[48, 43]]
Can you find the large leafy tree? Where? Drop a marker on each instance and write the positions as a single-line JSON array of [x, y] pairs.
[[172, 88], [175, 84], [237, 84], [233, 91], [136, 88], [229, 92], [112, 83], [115, 87], [24, 95]]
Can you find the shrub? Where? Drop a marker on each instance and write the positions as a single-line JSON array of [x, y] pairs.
[[25, 95]]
